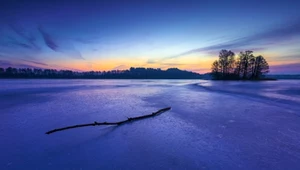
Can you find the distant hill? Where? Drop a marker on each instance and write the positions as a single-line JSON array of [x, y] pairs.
[[132, 73]]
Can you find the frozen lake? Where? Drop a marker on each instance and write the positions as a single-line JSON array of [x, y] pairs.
[[212, 124]]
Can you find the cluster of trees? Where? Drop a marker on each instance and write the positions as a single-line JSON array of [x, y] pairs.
[[245, 67], [132, 73]]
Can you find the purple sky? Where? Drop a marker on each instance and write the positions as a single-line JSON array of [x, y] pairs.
[[99, 35]]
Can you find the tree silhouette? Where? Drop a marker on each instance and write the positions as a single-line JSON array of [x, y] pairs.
[[224, 67], [245, 59], [259, 67], [216, 71], [133, 73], [226, 62], [247, 66]]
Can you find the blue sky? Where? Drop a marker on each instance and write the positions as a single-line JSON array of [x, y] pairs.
[[99, 35]]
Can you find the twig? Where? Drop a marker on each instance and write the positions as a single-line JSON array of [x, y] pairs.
[[111, 123]]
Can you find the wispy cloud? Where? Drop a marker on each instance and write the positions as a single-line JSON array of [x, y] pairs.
[[11, 42], [8, 60], [5, 64], [163, 64], [201, 70], [120, 67], [35, 62], [172, 64], [28, 37], [24, 63], [60, 46], [280, 34], [20, 44], [290, 57], [48, 39], [293, 68], [151, 61]]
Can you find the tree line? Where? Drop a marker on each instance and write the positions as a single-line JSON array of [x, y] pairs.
[[132, 73], [245, 67]]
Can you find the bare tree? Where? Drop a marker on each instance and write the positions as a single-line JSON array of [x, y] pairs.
[[226, 60], [247, 66], [260, 67], [245, 59], [216, 69]]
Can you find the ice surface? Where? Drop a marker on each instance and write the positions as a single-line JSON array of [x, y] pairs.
[[212, 124]]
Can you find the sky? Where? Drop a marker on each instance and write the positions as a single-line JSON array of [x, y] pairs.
[[109, 35]]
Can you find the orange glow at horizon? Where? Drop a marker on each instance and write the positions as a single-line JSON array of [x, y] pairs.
[[192, 63], [196, 63]]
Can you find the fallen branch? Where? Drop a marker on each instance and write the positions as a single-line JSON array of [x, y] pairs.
[[130, 119]]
